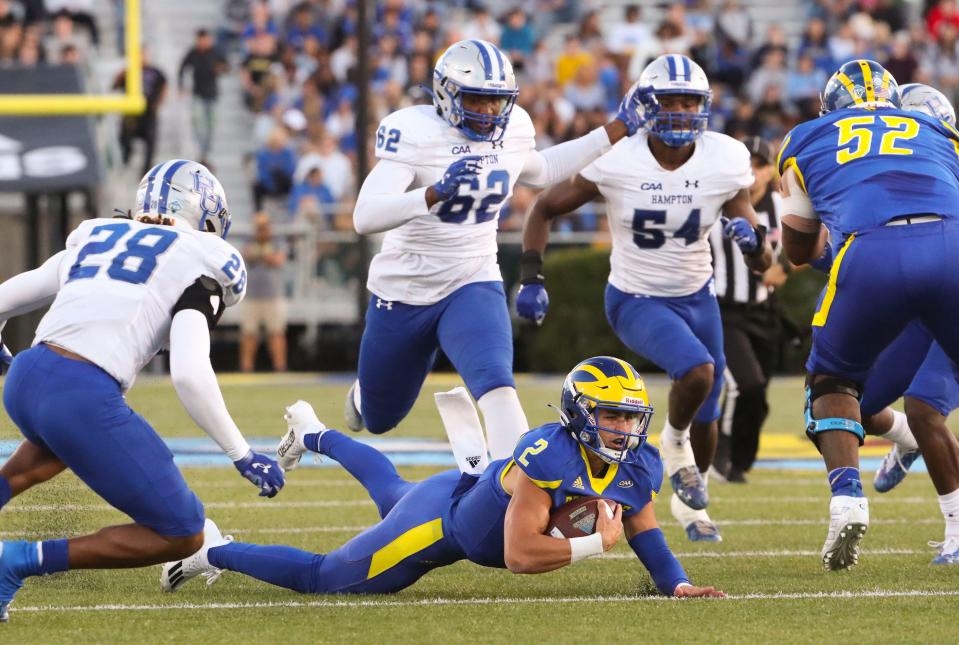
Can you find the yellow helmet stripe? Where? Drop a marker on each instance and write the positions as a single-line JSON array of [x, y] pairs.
[[867, 80], [630, 374], [592, 369], [850, 87], [886, 77]]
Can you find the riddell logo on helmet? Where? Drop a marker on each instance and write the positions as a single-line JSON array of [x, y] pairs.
[[629, 399]]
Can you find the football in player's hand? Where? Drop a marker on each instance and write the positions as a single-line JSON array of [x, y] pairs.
[[576, 518]]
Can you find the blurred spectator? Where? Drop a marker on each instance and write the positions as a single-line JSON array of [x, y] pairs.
[[944, 66], [261, 24], [516, 38], [205, 63], [805, 81], [482, 26], [393, 26], [312, 199], [304, 27], [63, 32], [815, 43], [275, 163], [585, 91], [590, 32], [343, 59], [775, 41], [944, 12], [255, 70], [734, 23], [79, 12], [336, 167], [265, 304], [142, 126], [772, 72], [629, 36], [901, 63], [571, 59], [237, 14]]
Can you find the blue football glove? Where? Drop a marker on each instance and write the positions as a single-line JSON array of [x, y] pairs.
[[632, 110], [462, 171], [824, 262], [532, 302], [740, 231], [262, 471]]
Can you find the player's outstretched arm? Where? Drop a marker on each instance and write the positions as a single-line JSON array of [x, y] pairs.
[[743, 228], [384, 203], [196, 386], [648, 542], [532, 302], [529, 550], [31, 289]]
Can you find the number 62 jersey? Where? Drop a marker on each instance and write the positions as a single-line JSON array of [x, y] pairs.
[[121, 282], [660, 219], [430, 256]]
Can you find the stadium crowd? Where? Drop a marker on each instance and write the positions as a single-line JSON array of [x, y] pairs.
[[298, 71]]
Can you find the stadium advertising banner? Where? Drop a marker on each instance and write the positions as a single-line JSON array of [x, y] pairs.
[[45, 154]]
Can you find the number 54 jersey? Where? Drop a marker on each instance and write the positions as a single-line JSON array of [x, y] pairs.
[[660, 219], [429, 257], [861, 168], [120, 283]]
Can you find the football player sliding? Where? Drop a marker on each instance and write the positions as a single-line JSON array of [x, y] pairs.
[[122, 290], [665, 188], [444, 172], [497, 519], [882, 183], [917, 369]]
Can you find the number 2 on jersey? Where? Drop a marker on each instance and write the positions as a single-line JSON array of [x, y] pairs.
[[535, 449], [854, 132], [457, 209], [146, 245]]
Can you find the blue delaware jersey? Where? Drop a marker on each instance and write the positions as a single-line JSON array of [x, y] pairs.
[[900, 163], [557, 463]]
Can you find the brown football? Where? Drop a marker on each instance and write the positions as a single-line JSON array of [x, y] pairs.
[[576, 518]]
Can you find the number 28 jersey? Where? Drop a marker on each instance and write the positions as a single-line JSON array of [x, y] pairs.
[[119, 283], [430, 256], [660, 219], [861, 168]]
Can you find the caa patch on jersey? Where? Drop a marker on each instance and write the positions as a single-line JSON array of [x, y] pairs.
[[575, 518]]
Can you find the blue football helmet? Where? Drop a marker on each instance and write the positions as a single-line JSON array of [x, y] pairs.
[[606, 383], [474, 67], [860, 83], [928, 100], [184, 190], [675, 74]]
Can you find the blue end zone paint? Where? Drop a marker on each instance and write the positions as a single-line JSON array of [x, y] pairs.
[[200, 452]]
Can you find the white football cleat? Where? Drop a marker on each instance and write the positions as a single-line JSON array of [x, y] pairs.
[[848, 522], [301, 420], [174, 574], [698, 526]]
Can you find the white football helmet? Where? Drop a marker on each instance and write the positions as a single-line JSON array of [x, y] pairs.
[[187, 191], [675, 74], [474, 67], [928, 100]]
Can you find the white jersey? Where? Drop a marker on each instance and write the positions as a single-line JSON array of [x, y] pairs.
[[429, 257], [120, 280], [660, 219]]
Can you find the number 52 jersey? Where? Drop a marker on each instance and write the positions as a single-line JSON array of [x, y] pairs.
[[120, 282], [861, 168], [660, 219]]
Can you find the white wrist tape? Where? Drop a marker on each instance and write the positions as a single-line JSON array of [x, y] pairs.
[[585, 547]]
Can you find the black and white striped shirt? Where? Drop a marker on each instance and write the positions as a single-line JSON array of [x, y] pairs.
[[735, 282]]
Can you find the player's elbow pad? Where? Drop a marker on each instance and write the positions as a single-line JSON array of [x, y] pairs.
[[655, 555]]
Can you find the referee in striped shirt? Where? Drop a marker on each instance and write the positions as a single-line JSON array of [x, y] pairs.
[[750, 324]]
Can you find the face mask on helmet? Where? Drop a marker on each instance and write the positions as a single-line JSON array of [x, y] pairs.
[[860, 83], [678, 119], [605, 408], [474, 89]]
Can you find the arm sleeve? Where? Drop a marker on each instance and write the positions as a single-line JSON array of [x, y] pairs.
[[383, 202], [206, 296], [562, 161], [32, 289], [195, 382], [662, 565]]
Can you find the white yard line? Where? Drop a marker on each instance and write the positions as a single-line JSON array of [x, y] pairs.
[[433, 602]]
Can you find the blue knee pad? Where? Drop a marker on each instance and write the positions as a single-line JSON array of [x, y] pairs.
[[816, 426]]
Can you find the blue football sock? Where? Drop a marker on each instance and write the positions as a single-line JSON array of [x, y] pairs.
[[55, 556], [312, 441], [5, 493], [845, 481], [283, 566], [368, 466]]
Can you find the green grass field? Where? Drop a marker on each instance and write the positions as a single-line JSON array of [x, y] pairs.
[[768, 563]]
